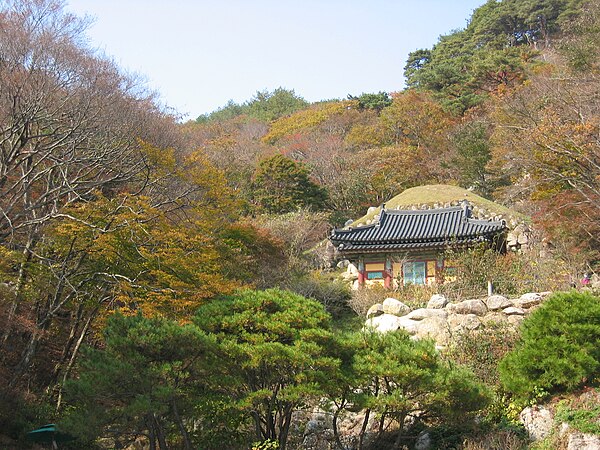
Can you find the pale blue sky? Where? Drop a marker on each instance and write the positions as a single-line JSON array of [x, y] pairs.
[[199, 54]]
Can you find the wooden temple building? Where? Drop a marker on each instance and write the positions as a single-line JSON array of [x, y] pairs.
[[408, 246]]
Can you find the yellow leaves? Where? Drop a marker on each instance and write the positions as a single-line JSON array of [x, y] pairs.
[[306, 118], [415, 119], [365, 136], [211, 197], [160, 159], [148, 261], [8, 260], [223, 142]]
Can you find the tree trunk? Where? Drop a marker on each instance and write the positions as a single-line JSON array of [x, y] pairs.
[[151, 433], [160, 434], [285, 429], [380, 426], [27, 356], [260, 434], [68, 345], [74, 353], [363, 429], [22, 276], [187, 444], [336, 433], [398, 441]]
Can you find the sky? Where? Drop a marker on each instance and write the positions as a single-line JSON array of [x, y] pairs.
[[199, 54]]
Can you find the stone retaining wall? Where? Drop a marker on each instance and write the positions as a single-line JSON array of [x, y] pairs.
[[442, 319]]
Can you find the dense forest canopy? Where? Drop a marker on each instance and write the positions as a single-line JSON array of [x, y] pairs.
[[156, 274]]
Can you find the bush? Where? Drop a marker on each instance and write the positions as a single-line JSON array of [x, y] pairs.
[[332, 293], [415, 296], [497, 440], [480, 350], [19, 415], [405, 384], [559, 350], [511, 274], [362, 299]]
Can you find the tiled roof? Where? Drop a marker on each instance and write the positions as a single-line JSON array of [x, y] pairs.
[[405, 229]]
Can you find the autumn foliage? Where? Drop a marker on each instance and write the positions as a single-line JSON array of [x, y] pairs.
[[146, 244]]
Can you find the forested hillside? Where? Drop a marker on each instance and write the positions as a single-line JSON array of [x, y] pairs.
[[168, 282]]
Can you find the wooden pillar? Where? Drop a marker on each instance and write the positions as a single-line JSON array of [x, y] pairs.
[[361, 272], [387, 273]]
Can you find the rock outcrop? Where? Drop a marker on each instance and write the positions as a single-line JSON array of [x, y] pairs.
[[538, 421]]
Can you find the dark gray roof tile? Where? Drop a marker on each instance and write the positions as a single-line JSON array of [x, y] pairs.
[[414, 229]]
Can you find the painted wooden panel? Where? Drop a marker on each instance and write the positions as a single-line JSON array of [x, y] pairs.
[[374, 275], [430, 269], [374, 266], [396, 269]]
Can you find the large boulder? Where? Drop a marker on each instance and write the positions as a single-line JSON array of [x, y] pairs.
[[343, 264], [408, 325], [424, 441], [515, 320], [434, 327], [351, 273], [437, 301], [375, 310], [388, 322], [352, 269], [493, 317], [425, 313], [476, 307], [496, 302], [538, 421], [396, 307], [384, 323], [530, 299]]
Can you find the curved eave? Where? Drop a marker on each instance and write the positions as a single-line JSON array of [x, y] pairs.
[[383, 247]]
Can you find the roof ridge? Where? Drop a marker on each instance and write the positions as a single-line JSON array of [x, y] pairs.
[[398, 211]]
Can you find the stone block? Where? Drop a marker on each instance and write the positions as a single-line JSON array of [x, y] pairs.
[[513, 311], [437, 301], [476, 307], [396, 307], [496, 302], [425, 313], [530, 299]]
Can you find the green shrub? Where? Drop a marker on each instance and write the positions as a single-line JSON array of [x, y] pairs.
[[559, 349], [19, 415]]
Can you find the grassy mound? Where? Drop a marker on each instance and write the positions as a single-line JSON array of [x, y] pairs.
[[441, 194]]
